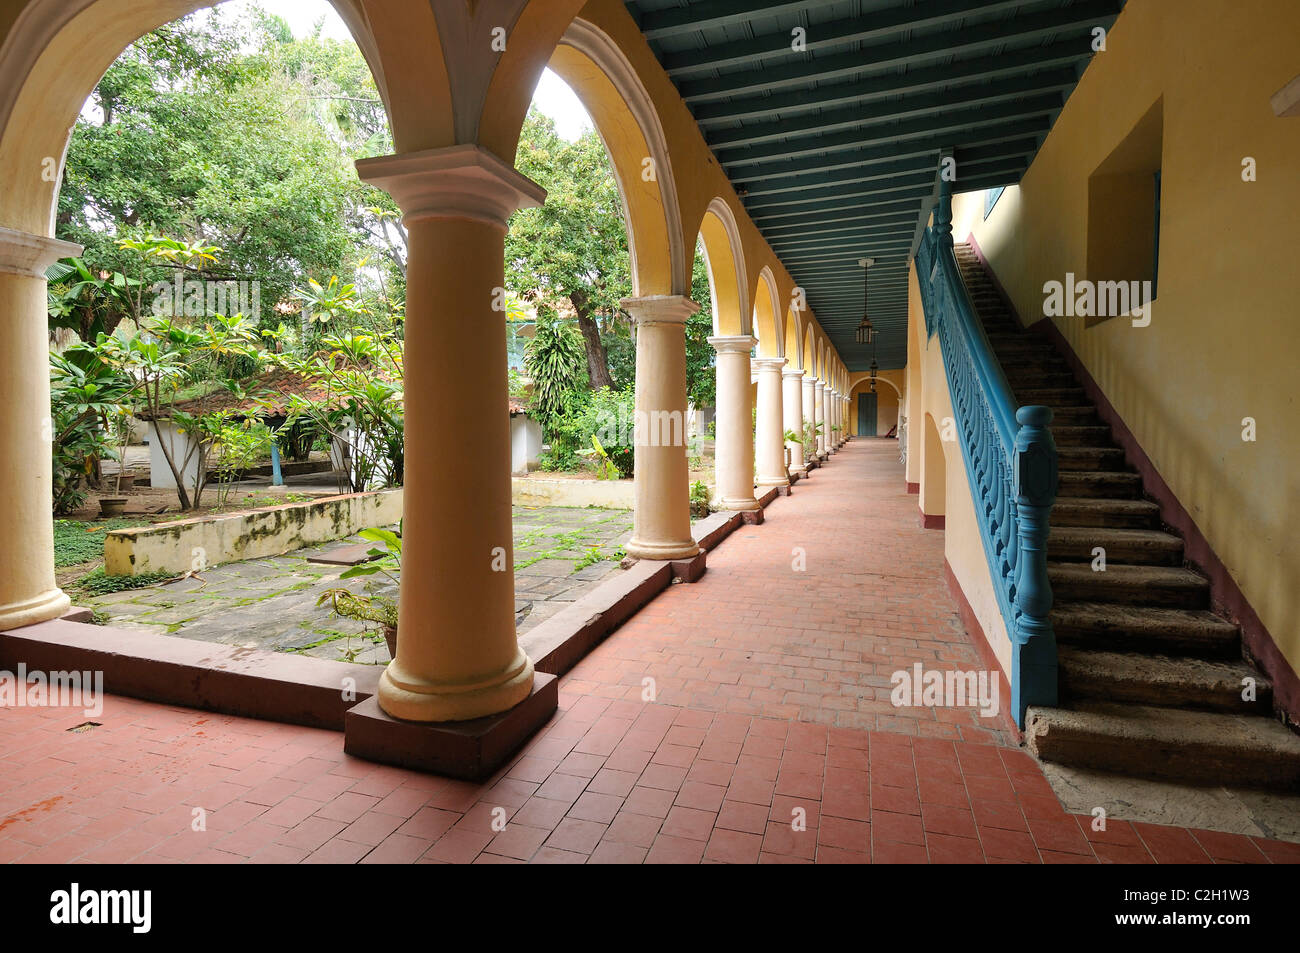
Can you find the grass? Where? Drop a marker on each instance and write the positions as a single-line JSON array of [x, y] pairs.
[[78, 542], [98, 584]]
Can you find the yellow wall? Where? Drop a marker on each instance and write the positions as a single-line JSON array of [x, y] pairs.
[[941, 472], [886, 401], [1224, 336]]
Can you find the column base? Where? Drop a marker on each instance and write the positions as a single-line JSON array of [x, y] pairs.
[[471, 750], [408, 697], [643, 549], [773, 481], [740, 506], [42, 608]]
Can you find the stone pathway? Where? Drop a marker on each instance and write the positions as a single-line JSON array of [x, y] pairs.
[[560, 553]]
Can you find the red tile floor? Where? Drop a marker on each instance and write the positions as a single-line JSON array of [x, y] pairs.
[[771, 740]]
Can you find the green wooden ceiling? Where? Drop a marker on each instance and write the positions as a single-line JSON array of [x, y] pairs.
[[835, 148]]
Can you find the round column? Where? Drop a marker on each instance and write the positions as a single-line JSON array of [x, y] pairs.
[[28, 593], [819, 407], [792, 412], [734, 443], [832, 420], [457, 653], [809, 411], [769, 441], [662, 518]]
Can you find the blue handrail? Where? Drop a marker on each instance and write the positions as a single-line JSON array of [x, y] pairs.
[[1010, 461]]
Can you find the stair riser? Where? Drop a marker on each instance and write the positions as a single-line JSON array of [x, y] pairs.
[[1224, 698], [1081, 437], [1062, 516], [1198, 764], [1082, 483], [1093, 458], [1189, 643], [1129, 554], [1106, 588]]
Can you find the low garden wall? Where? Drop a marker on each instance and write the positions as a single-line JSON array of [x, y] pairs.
[[608, 494], [185, 545]]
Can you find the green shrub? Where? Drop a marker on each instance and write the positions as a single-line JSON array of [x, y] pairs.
[[97, 583]]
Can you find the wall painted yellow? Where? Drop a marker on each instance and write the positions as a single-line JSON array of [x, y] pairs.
[[1225, 329]]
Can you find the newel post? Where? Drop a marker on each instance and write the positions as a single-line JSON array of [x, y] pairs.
[[1033, 665]]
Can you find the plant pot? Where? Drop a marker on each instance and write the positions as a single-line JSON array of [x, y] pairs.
[[112, 505], [390, 636]]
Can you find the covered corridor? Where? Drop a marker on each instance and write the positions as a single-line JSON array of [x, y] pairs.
[[771, 740]]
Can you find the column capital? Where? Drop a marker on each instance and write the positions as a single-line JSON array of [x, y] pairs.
[[792, 372], [733, 342], [659, 309], [768, 363], [22, 253], [464, 181]]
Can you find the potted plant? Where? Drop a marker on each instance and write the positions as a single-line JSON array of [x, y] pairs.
[[789, 438], [700, 499], [372, 607], [120, 424]]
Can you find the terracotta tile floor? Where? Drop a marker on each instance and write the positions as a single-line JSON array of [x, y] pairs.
[[740, 767]]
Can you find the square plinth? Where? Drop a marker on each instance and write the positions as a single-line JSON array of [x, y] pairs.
[[470, 750]]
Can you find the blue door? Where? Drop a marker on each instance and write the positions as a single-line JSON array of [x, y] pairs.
[[866, 415]]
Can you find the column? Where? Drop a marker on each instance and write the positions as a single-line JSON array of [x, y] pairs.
[[662, 518], [819, 407], [846, 411], [769, 451], [809, 410], [28, 593], [792, 411], [734, 443], [457, 654], [832, 408]]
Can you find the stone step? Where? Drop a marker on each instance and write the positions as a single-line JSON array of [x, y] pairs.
[[1149, 741], [1081, 415], [1202, 684], [1118, 513], [1021, 376], [1146, 547], [1099, 483], [1169, 586], [1097, 625], [1081, 436], [1091, 458], [1069, 396]]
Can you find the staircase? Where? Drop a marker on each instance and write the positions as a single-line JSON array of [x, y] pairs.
[[1151, 681]]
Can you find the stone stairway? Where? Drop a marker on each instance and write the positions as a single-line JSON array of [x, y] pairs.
[[1151, 680]]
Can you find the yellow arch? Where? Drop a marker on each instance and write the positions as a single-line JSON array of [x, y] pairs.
[[724, 260], [766, 326], [56, 51], [793, 338]]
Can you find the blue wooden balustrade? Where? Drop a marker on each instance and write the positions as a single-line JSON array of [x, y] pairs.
[[1010, 460]]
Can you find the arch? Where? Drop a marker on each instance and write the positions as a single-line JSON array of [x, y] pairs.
[[57, 51], [793, 338], [767, 327], [624, 115], [809, 350], [932, 470], [724, 259]]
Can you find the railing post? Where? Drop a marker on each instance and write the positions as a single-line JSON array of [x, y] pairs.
[[1033, 663], [942, 226]]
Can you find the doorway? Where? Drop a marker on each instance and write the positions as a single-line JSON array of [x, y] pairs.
[[866, 415]]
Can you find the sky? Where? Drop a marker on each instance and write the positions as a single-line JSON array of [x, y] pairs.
[[552, 97]]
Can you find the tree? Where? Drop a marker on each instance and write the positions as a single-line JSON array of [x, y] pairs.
[[572, 253], [228, 132]]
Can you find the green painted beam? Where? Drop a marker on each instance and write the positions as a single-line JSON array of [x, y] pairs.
[[950, 122], [944, 100], [821, 37], [675, 21], [1012, 62], [985, 38]]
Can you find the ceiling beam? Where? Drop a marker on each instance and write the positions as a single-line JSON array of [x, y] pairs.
[[675, 21], [1074, 52], [822, 37]]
